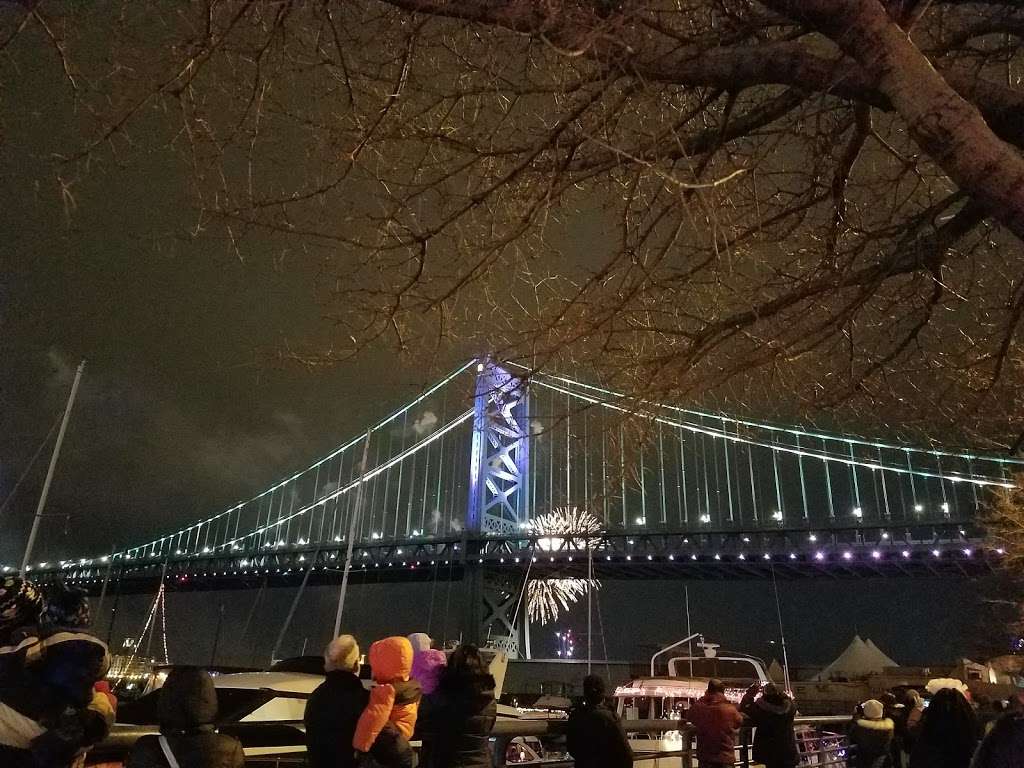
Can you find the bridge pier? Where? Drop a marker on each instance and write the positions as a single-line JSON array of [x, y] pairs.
[[498, 483]]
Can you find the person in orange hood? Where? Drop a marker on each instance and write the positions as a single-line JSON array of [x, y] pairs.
[[387, 723]]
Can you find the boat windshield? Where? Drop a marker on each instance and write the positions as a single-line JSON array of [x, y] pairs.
[[729, 669]]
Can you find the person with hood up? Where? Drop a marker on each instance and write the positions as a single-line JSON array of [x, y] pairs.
[[457, 719], [717, 722], [771, 715], [427, 663], [595, 737], [949, 731], [50, 711], [335, 706], [187, 710], [389, 719], [871, 737]]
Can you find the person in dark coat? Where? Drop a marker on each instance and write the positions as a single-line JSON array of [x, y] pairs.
[[1003, 746], [455, 721], [771, 715], [717, 721], [948, 734], [49, 664], [335, 706], [895, 710], [595, 737], [187, 709], [871, 737]]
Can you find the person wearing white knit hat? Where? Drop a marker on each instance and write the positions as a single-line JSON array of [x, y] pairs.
[[871, 735], [334, 707]]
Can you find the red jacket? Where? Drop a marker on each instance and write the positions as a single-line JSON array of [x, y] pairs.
[[717, 722]]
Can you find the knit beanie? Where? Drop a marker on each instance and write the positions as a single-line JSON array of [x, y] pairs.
[[342, 654], [65, 607], [20, 603], [420, 641], [873, 709]]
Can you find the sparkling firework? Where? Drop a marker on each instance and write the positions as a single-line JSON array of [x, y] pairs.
[[546, 598], [563, 522]]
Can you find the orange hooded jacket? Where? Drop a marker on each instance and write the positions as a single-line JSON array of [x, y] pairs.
[[394, 700]]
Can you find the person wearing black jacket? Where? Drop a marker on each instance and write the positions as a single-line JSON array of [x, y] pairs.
[[187, 709], [455, 721], [771, 716], [334, 707], [949, 732], [595, 736]]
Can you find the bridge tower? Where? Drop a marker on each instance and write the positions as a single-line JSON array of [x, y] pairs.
[[498, 497]]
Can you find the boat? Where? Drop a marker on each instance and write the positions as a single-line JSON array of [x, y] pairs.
[[668, 697]]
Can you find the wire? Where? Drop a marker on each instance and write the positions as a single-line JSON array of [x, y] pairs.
[[31, 463]]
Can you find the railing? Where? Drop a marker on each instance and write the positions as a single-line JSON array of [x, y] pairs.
[[820, 741]]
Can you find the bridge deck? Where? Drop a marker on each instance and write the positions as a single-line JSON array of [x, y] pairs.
[[837, 554]]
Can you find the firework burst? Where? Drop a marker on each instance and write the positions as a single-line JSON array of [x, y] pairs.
[[565, 522], [547, 598]]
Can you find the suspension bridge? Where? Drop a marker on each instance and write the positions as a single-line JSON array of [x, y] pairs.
[[452, 484]]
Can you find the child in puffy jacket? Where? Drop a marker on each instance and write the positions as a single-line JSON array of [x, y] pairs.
[[387, 723], [427, 663]]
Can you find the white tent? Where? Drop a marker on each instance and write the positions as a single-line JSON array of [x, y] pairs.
[[860, 659]]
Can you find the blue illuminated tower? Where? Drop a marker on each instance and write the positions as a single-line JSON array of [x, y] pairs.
[[499, 472]]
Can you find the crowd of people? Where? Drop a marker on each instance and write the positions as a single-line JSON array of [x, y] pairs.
[[445, 701], [55, 705], [896, 731]]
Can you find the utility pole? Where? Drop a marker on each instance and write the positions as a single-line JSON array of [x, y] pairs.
[[49, 472]]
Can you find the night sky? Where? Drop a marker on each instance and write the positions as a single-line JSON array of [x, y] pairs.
[[186, 407]]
